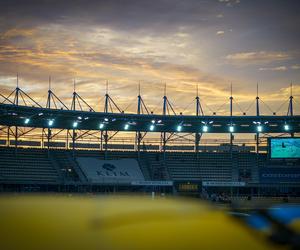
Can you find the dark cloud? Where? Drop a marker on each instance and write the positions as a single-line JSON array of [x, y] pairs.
[[133, 14]]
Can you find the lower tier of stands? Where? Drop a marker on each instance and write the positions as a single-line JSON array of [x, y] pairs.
[[60, 166], [23, 165]]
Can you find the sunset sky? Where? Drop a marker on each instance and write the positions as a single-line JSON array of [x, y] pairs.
[[212, 43]]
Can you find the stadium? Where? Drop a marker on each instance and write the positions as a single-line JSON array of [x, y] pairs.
[[54, 149], [149, 124]]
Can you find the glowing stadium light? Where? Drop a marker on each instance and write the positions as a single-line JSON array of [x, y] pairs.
[[286, 127], [50, 122], [259, 128], [231, 129], [211, 122], [75, 124], [106, 119], [79, 117], [205, 128], [27, 120], [101, 126], [153, 121], [179, 128], [126, 127], [159, 121], [152, 127]]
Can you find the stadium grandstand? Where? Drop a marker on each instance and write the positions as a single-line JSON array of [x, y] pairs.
[[61, 149]]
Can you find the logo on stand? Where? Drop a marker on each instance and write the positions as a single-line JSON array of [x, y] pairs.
[[110, 170]]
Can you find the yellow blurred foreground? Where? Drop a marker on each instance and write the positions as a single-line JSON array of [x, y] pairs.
[[30, 222]]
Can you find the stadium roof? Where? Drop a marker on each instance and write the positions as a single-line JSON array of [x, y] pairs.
[[36, 117]]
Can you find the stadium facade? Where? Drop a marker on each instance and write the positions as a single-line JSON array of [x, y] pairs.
[[56, 148]]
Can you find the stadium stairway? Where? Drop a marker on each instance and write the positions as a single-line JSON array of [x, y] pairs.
[[156, 165], [68, 166], [145, 167]]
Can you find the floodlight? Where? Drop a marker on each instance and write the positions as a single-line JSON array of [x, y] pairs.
[[231, 129], [179, 128], [27, 120], [204, 128], [286, 127], [259, 128], [126, 127], [50, 122], [75, 124], [101, 126], [152, 127]]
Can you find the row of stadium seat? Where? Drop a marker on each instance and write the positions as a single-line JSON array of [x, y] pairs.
[[26, 165], [59, 165]]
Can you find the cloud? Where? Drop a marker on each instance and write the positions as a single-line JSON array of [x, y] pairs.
[[167, 41], [90, 57], [163, 16], [279, 68], [230, 3], [295, 66], [17, 32], [258, 57]]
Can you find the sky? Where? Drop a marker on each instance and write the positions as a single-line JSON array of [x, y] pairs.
[[212, 44]]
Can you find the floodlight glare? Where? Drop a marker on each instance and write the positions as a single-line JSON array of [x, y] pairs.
[[179, 128], [50, 122], [106, 119], [153, 121], [286, 127], [152, 127], [204, 128], [259, 128], [27, 120], [75, 124], [101, 126], [231, 129], [126, 127]]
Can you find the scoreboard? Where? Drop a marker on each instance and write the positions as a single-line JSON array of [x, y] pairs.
[[284, 148]]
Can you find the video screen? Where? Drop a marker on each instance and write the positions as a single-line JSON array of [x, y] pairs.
[[283, 148]]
